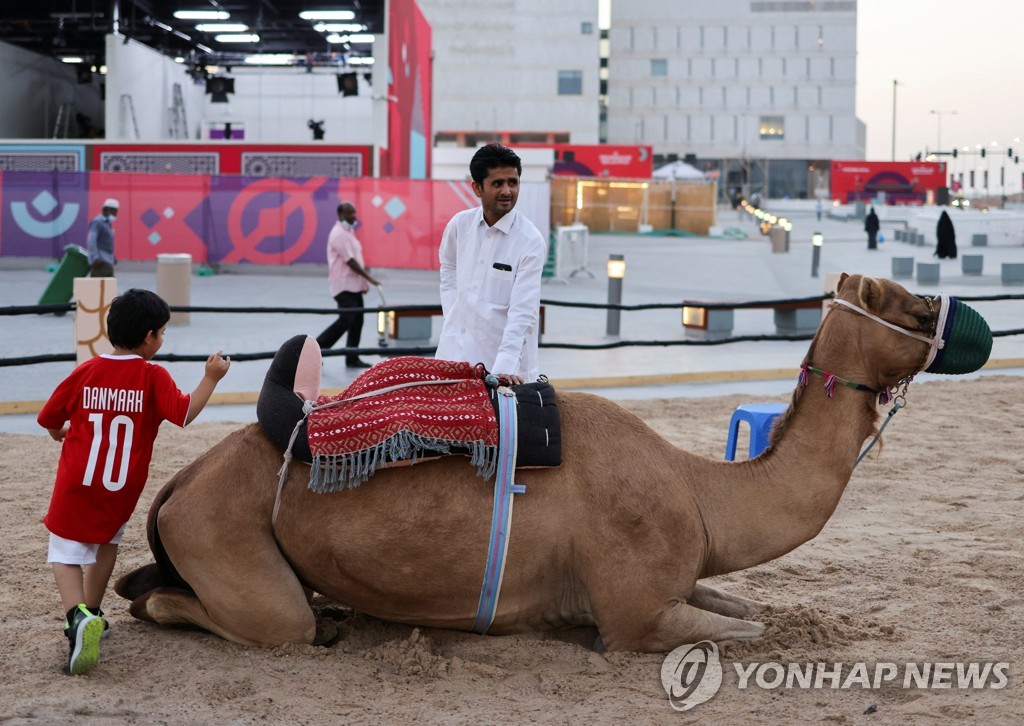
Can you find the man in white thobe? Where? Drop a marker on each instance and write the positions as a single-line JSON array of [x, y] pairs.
[[491, 263]]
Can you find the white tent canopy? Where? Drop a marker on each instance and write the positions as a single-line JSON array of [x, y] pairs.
[[678, 170]]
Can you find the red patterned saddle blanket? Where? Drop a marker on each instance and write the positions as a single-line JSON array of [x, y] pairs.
[[402, 409]]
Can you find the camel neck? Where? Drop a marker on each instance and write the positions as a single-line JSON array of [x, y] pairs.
[[758, 510]]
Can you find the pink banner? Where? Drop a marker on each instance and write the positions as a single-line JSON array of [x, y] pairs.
[[230, 219]]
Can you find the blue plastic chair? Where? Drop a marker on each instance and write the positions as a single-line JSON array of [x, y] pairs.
[[760, 417]]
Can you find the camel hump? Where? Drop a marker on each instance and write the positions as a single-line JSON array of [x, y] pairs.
[[293, 378]]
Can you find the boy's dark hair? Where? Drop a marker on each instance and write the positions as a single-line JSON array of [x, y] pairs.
[[133, 314], [490, 157]]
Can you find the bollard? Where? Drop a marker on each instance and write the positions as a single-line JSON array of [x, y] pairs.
[[1012, 273], [928, 273], [972, 264], [902, 267], [616, 271], [817, 240], [174, 283]]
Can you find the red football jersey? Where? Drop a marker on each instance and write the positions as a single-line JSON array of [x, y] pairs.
[[115, 404]]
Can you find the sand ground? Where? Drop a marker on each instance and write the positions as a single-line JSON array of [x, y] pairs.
[[921, 562]]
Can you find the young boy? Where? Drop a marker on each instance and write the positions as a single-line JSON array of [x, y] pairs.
[[113, 405]]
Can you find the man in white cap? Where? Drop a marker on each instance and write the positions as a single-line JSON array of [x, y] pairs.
[[100, 243]]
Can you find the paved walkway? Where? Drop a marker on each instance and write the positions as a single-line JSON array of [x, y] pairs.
[[659, 269]]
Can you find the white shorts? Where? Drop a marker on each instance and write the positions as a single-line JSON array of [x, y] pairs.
[[68, 552]]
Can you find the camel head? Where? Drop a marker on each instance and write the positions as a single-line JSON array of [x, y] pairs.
[[879, 331]]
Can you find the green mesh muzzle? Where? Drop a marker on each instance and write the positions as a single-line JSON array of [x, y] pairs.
[[963, 340]]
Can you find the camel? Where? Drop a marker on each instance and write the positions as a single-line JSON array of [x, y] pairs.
[[619, 537]]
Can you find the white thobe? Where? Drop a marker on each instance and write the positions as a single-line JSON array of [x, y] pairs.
[[490, 292]]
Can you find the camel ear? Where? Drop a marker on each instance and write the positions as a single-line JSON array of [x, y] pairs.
[[842, 278], [870, 294]]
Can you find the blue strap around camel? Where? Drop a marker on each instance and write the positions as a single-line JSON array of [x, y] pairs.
[[501, 517]]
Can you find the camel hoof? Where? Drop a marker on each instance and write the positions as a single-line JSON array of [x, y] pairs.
[[139, 609], [327, 633], [756, 607]]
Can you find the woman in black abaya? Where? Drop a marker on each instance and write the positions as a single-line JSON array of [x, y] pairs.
[[946, 235]]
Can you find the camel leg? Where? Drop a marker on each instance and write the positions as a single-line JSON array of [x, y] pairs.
[[245, 591], [678, 624], [281, 614], [714, 600]]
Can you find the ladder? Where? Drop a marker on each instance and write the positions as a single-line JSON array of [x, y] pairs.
[[63, 121], [128, 109], [179, 122]]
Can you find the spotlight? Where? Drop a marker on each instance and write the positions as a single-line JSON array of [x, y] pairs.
[[317, 127], [348, 84], [219, 87]]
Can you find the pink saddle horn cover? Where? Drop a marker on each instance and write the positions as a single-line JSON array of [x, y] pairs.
[[308, 370]]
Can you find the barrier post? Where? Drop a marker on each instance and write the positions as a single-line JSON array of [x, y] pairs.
[[616, 271], [174, 283], [92, 303], [817, 239]]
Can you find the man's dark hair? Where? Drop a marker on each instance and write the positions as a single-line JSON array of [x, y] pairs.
[[133, 314], [490, 157]]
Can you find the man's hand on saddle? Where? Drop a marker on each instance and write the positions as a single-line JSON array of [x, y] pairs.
[[507, 379]]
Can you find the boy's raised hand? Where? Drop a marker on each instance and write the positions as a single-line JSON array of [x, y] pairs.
[[217, 366]]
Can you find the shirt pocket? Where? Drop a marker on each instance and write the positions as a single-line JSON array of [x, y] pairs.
[[498, 289]]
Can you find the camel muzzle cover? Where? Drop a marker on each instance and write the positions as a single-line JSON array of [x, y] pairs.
[[963, 339]]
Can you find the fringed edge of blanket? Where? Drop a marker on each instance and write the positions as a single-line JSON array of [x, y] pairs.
[[335, 472]]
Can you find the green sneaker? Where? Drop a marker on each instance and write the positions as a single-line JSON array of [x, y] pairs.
[[106, 623], [83, 633]]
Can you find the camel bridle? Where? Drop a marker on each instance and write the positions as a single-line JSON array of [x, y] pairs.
[[934, 340], [898, 393]]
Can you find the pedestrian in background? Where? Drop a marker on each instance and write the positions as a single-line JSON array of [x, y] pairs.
[[100, 242], [348, 280], [871, 226], [946, 236]]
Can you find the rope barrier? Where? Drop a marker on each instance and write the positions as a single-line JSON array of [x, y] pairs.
[[428, 350], [717, 305]]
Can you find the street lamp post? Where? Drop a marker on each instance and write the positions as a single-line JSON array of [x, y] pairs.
[[940, 114], [894, 84]]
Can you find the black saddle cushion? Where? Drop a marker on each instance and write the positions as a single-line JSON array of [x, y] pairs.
[[539, 430], [279, 408]]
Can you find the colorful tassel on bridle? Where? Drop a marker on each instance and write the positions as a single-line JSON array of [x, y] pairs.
[[806, 369]]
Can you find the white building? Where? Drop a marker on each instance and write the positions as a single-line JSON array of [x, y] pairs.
[[760, 90], [525, 68]]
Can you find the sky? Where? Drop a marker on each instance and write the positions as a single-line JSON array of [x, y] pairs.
[[963, 59]]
